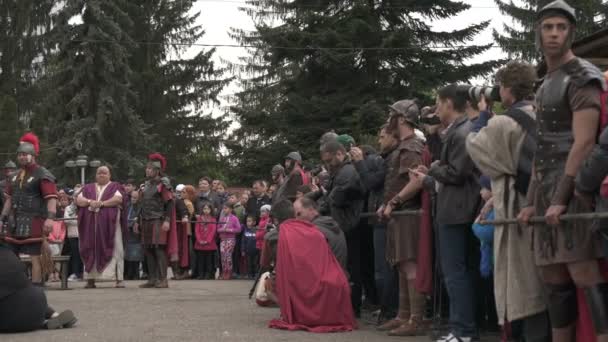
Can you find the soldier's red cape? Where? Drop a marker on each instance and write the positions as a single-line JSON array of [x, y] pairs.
[[424, 266], [171, 248], [313, 292]]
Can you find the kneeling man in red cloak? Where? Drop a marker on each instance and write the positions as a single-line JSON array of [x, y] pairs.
[[310, 285]]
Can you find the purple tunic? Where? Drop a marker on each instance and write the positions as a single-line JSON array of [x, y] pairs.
[[96, 230]]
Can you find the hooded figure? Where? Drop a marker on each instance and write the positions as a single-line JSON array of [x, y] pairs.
[[335, 238]]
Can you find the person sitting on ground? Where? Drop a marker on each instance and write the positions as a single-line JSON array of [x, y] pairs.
[[308, 210], [316, 298], [23, 306]]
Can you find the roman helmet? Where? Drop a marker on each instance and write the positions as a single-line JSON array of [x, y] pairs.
[[157, 161], [29, 144], [408, 109]]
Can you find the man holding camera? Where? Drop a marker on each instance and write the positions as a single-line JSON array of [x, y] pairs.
[[568, 119], [457, 203], [517, 286]]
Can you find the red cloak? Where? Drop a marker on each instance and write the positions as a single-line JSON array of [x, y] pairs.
[[313, 292], [171, 247], [424, 265], [584, 325]]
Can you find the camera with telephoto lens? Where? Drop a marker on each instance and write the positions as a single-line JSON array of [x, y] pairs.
[[490, 93]]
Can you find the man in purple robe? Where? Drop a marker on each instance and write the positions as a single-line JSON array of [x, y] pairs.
[[101, 219]]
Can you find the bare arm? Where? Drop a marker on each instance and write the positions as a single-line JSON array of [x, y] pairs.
[[410, 190], [583, 123], [51, 207], [584, 126], [8, 203], [81, 201], [113, 202]]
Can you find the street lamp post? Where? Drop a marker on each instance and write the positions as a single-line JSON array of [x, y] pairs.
[[82, 162]]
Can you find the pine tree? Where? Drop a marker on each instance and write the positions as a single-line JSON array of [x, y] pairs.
[[321, 65], [89, 104], [23, 47], [175, 93], [518, 37]]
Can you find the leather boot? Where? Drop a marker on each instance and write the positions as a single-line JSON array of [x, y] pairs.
[[152, 270], [176, 271], [162, 284], [90, 284], [414, 327], [392, 324], [162, 265]]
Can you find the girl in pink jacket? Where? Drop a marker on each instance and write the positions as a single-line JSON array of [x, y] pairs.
[[228, 227], [205, 245]]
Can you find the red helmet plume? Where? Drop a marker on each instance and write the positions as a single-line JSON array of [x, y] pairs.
[[29, 143], [160, 159]]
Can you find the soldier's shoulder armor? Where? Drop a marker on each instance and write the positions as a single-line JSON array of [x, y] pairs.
[[583, 72], [42, 173], [166, 182]]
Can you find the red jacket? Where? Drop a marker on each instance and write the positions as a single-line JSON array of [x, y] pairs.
[[259, 235], [205, 233]]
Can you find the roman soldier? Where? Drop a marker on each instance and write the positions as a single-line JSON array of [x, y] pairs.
[[407, 152], [568, 117], [157, 222], [31, 204]]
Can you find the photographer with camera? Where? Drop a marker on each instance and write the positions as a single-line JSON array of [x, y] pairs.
[[479, 107], [457, 202], [517, 285]]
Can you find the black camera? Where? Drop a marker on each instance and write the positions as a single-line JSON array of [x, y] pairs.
[[490, 93]]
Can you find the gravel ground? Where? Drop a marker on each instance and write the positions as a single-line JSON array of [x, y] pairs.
[[188, 311]]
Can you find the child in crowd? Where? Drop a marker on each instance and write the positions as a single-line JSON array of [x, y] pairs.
[[229, 227], [264, 219], [249, 247], [56, 239], [205, 245], [485, 234]]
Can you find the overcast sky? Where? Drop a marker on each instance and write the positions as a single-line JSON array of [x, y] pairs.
[[218, 16]]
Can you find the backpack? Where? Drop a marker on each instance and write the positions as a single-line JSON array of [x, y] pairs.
[[305, 179]]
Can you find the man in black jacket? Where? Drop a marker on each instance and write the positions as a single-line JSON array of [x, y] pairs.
[[258, 199], [372, 169], [457, 203], [23, 307], [344, 196]]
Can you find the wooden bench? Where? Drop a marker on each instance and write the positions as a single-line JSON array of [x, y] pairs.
[[63, 261]]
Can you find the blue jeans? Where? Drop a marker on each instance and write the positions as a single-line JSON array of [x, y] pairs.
[[453, 253], [388, 293]]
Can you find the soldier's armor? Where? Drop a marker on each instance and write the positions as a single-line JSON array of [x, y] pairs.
[[395, 182], [152, 206], [554, 116], [27, 201]]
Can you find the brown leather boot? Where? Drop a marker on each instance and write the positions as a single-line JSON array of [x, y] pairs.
[[147, 285], [414, 327], [392, 324], [162, 284]]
